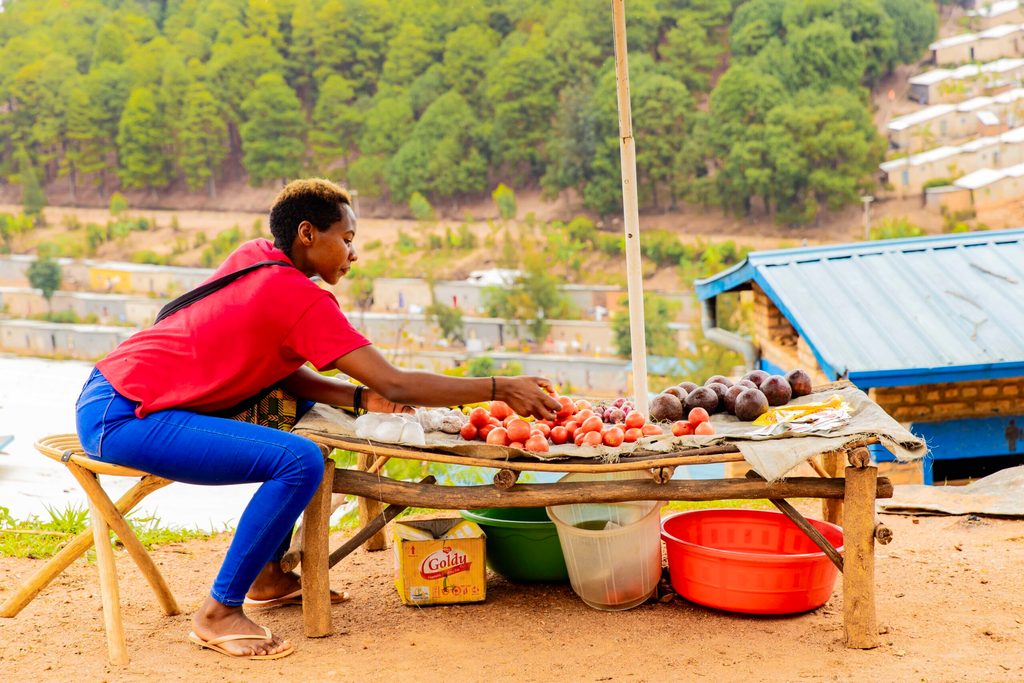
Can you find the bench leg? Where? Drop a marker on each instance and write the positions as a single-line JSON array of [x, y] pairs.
[[100, 502], [75, 548], [859, 563], [316, 587], [117, 649]]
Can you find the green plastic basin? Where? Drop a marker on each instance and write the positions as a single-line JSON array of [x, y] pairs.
[[522, 543]]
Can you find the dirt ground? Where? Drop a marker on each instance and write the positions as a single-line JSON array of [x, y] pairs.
[[949, 592]]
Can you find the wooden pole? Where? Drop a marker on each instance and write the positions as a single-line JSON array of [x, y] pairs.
[[832, 510], [117, 648], [99, 501], [316, 587], [370, 509], [75, 548], [630, 212], [859, 574], [410, 494]]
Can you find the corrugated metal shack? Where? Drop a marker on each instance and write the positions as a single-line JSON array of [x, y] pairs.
[[931, 327]]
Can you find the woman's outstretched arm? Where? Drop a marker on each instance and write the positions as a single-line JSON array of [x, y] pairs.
[[525, 395]]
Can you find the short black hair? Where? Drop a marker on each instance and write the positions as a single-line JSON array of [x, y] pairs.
[[312, 199]]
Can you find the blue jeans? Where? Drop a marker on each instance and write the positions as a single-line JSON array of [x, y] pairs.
[[202, 449]]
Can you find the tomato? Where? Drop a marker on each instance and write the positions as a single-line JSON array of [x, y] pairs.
[[494, 422], [468, 431], [592, 438], [583, 405], [651, 430], [681, 428], [704, 428], [578, 439], [500, 410], [516, 444], [498, 437], [548, 423], [592, 424], [537, 444], [632, 434], [613, 436], [568, 407], [583, 415], [559, 435], [507, 420], [635, 419], [518, 430], [698, 415], [484, 431], [543, 428], [571, 426], [478, 417]]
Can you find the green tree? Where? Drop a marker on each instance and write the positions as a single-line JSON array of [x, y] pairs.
[[690, 54], [468, 51], [449, 320], [274, 131], [822, 56], [518, 90], [84, 152], [33, 198], [915, 25], [505, 199], [658, 313], [336, 124], [202, 139], [409, 54], [141, 143], [45, 274], [234, 71]]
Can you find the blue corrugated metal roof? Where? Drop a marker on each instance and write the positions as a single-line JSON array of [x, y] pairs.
[[895, 312]]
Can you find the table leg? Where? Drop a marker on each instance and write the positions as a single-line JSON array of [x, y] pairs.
[[859, 562], [316, 587], [832, 509], [370, 509]]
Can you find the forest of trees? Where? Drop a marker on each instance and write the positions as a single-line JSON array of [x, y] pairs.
[[450, 98]]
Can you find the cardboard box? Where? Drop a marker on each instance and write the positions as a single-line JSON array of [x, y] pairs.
[[439, 561]]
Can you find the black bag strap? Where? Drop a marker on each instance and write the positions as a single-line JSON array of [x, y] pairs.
[[205, 290]]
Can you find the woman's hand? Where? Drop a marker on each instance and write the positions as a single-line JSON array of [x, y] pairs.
[[528, 396], [375, 403]]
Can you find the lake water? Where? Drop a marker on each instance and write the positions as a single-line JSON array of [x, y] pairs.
[[37, 398]]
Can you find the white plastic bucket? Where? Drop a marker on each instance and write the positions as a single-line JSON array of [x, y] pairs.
[[612, 550]]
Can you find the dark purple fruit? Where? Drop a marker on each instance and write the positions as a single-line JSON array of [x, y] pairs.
[[702, 397], [730, 397], [687, 386], [678, 392], [776, 389], [746, 383], [799, 382], [718, 379], [751, 404], [719, 389], [756, 376], [666, 408]]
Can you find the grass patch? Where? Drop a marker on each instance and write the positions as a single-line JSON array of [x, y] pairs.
[[42, 538]]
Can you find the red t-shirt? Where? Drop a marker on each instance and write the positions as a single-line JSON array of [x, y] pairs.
[[239, 340]]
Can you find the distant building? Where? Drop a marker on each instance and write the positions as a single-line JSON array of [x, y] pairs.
[[1003, 40]]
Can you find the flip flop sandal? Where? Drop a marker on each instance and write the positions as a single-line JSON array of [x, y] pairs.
[[214, 644], [294, 598]]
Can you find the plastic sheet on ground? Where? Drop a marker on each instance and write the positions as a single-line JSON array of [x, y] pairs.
[[999, 494]]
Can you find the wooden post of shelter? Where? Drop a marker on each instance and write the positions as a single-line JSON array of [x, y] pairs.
[[630, 212]]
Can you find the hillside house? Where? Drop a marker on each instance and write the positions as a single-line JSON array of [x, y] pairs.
[[932, 328], [987, 15], [1003, 40]]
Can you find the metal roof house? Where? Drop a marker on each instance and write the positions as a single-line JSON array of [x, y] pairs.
[[931, 327]]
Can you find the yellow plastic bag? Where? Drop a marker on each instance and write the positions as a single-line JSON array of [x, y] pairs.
[[789, 413]]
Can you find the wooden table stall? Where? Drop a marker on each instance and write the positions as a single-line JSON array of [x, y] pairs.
[[848, 494]]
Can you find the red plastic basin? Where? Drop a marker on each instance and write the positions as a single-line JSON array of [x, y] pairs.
[[751, 561]]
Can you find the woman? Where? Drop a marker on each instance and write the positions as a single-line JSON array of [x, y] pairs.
[[161, 401]]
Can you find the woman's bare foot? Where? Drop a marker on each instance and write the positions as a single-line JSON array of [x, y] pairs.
[[214, 620], [273, 583]]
